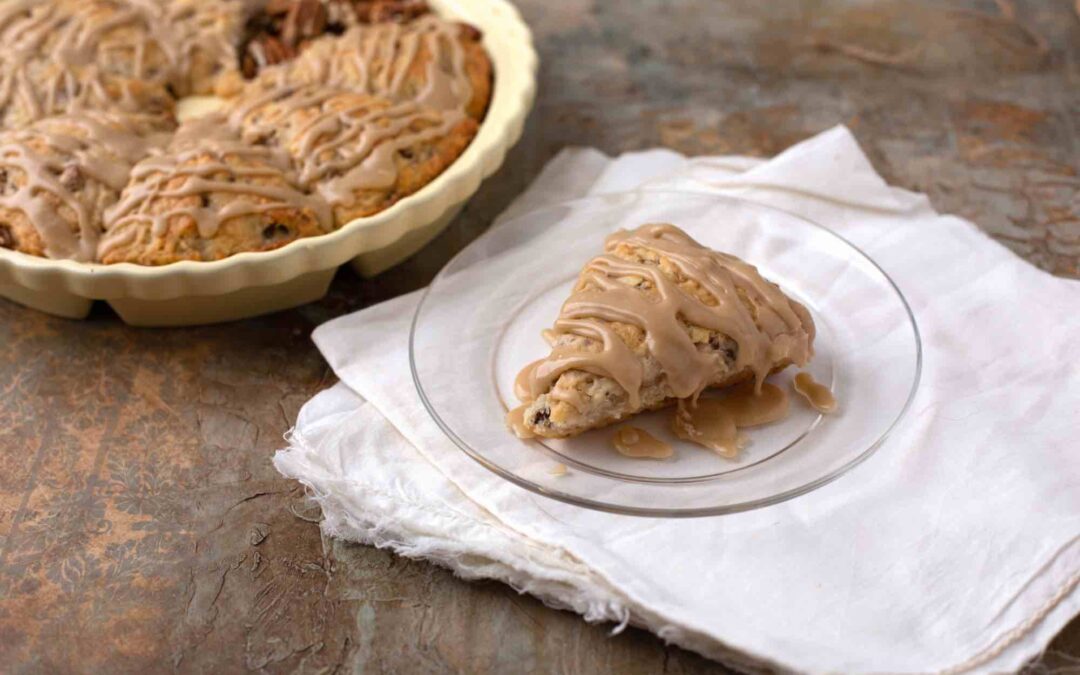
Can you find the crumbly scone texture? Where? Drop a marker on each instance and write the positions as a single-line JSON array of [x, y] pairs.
[[50, 171], [330, 133], [165, 227], [551, 415]]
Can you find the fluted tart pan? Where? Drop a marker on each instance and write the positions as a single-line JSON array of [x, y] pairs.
[[252, 283]]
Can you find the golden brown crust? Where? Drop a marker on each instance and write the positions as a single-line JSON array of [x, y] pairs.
[[478, 68], [426, 161], [265, 232]]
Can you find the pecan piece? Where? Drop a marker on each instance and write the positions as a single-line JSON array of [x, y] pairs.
[[305, 19], [399, 11]]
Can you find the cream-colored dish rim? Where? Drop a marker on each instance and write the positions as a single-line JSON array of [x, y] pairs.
[[509, 45]]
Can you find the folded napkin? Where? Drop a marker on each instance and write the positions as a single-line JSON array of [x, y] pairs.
[[956, 547]]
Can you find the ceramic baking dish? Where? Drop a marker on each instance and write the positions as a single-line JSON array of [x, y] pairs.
[[247, 284]]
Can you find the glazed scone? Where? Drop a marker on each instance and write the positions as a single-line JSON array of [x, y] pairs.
[[206, 197], [58, 175], [127, 55], [655, 319], [61, 56], [186, 46], [430, 61], [361, 153]]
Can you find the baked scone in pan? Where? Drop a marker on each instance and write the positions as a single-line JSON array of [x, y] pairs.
[[363, 120], [430, 61], [207, 197], [60, 174], [360, 152]]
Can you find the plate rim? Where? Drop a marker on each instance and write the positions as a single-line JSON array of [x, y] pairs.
[[652, 512]]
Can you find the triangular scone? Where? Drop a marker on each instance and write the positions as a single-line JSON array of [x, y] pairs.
[[657, 318]]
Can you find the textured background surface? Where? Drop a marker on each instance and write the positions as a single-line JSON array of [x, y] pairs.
[[141, 524]]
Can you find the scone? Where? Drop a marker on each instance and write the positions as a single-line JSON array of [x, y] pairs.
[[70, 55], [58, 175], [655, 319], [207, 197], [361, 153], [381, 11], [66, 55], [430, 61]]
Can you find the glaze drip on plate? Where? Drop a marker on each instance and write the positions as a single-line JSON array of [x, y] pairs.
[[817, 395]]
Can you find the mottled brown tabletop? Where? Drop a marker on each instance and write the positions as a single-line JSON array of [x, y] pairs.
[[142, 527]]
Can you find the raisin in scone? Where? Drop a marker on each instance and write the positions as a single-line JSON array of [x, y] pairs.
[[58, 175], [207, 197], [430, 61], [655, 319], [361, 153]]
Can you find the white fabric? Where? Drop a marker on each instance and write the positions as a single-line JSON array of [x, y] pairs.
[[955, 547]]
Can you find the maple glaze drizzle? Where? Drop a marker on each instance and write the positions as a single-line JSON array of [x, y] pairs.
[[817, 395], [342, 149], [638, 443], [715, 422], [709, 424], [73, 162], [62, 57]]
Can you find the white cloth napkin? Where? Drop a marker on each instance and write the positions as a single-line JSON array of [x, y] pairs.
[[955, 547]]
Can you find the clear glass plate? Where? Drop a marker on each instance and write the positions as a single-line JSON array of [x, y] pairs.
[[479, 323]]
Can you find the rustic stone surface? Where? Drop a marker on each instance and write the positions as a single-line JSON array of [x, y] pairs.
[[141, 524]]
